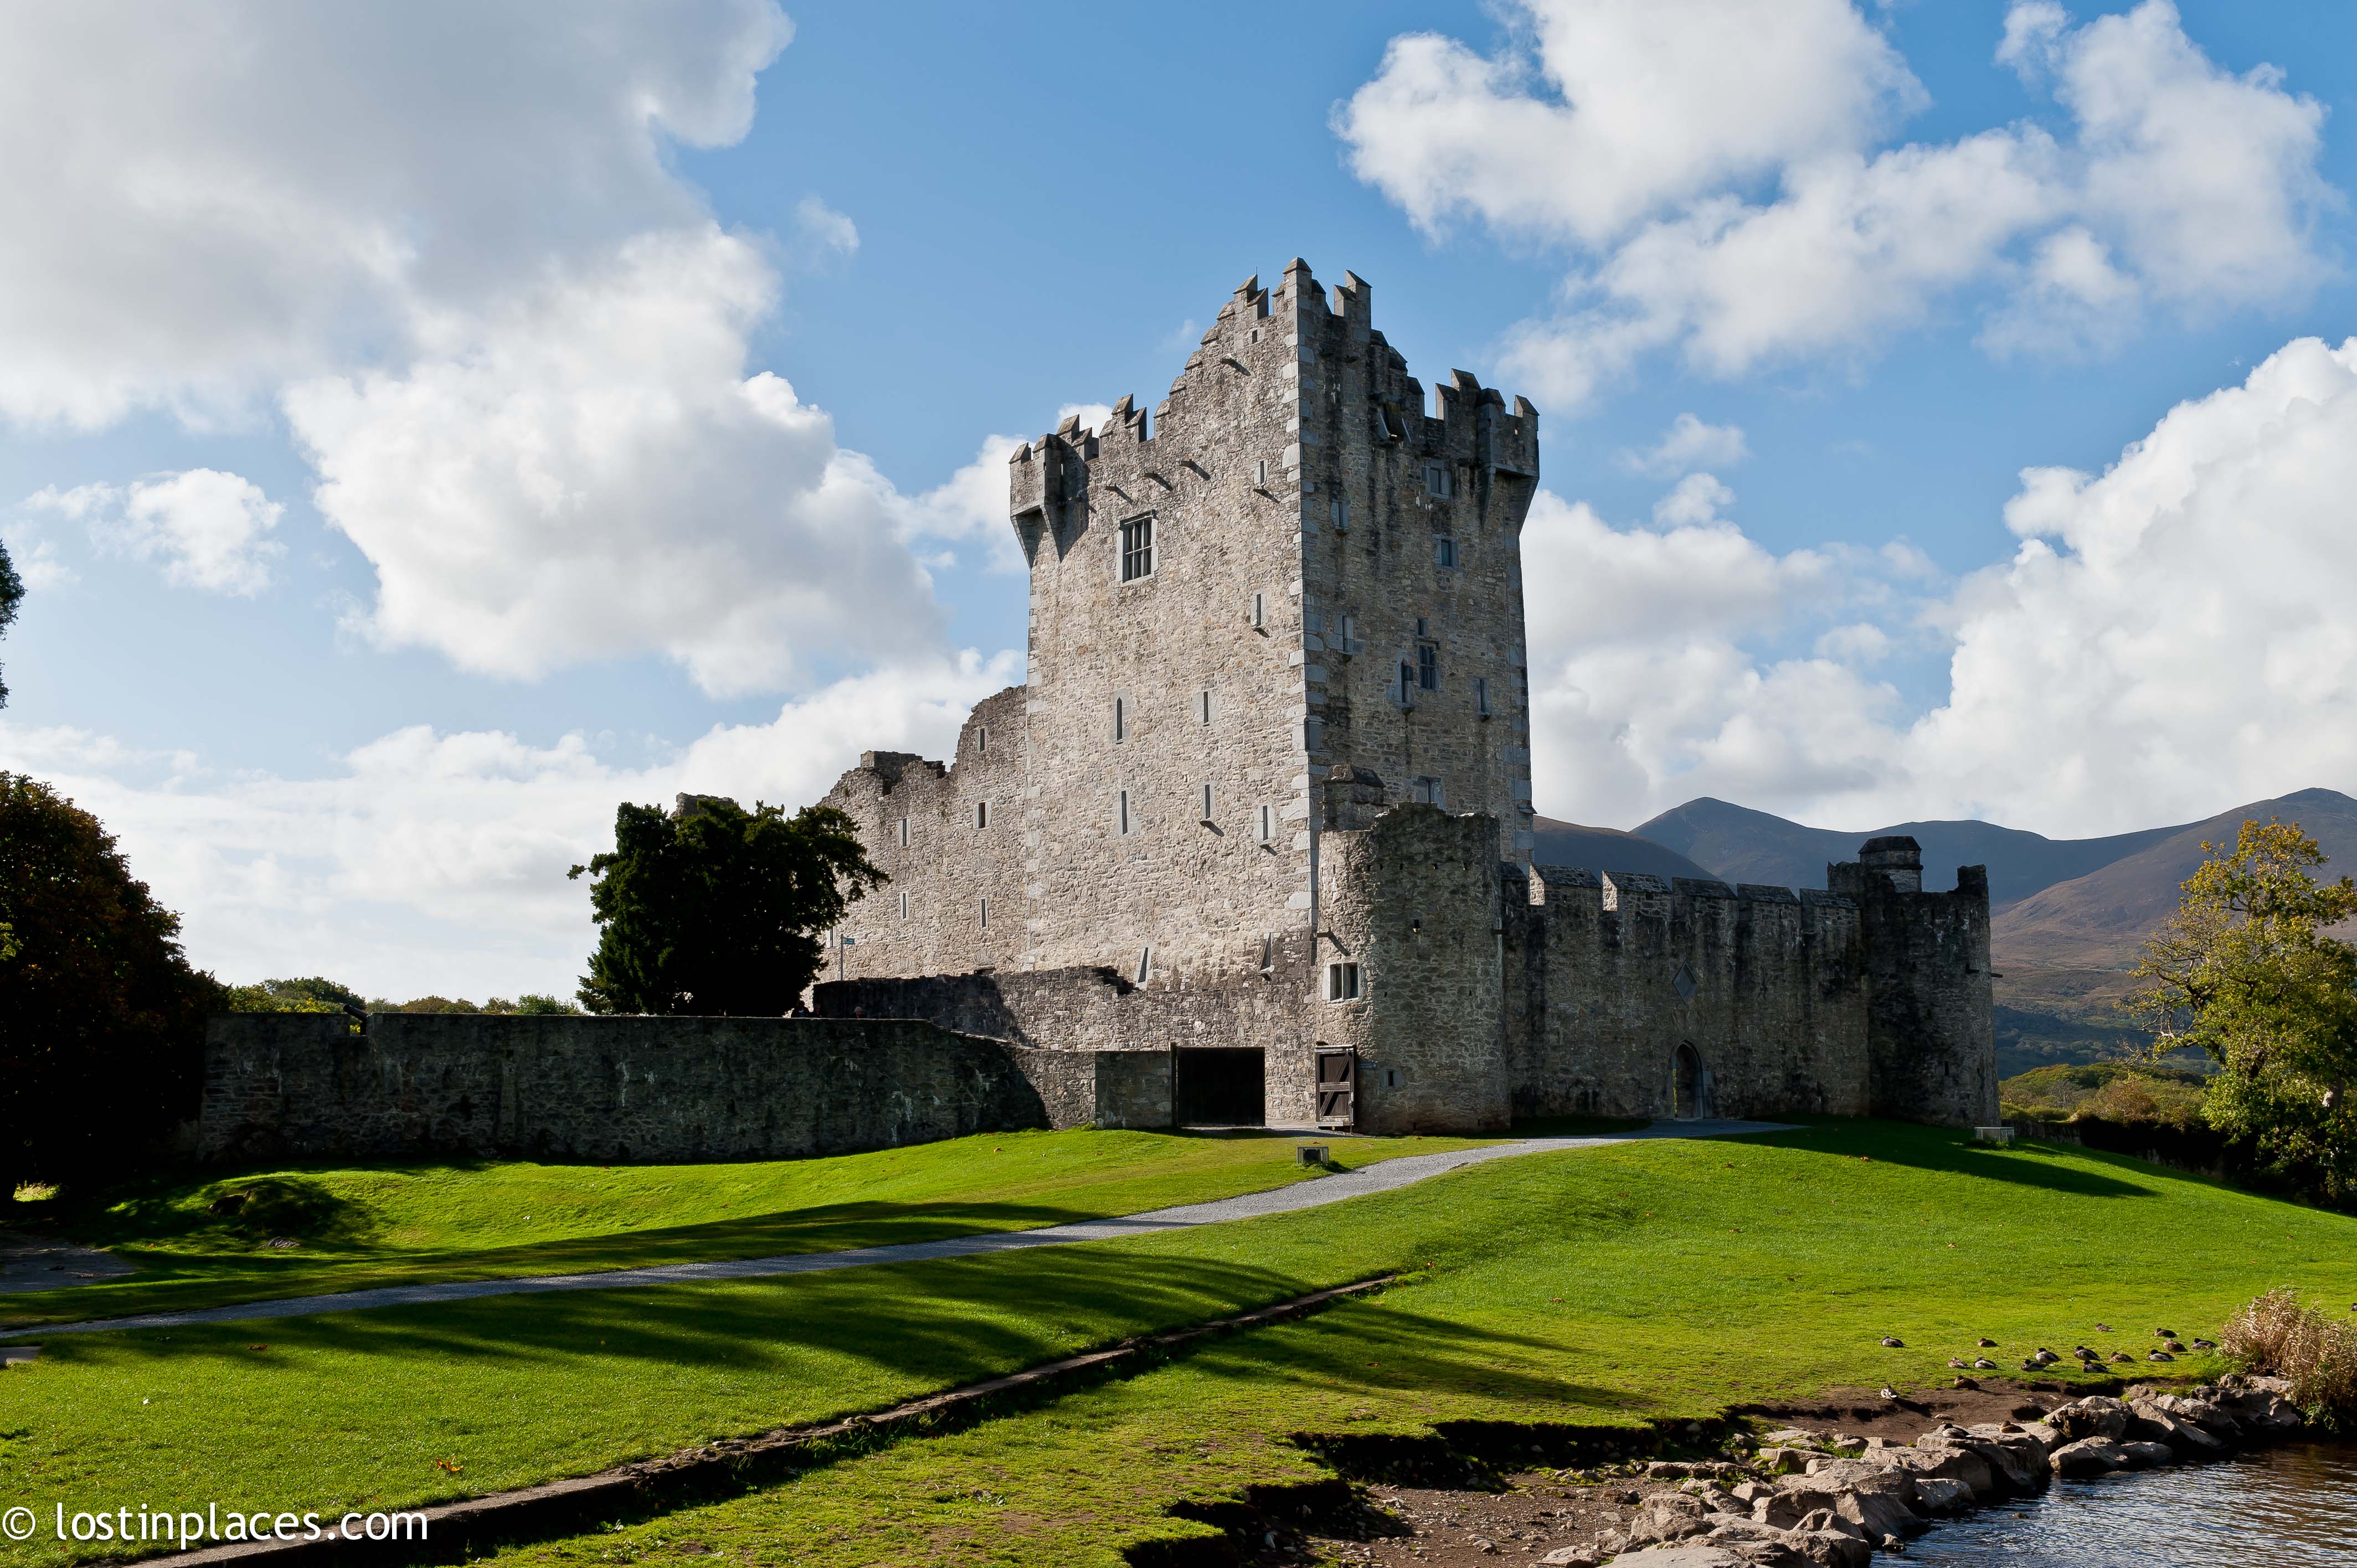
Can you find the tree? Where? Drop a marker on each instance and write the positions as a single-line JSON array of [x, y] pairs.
[[12, 594], [2245, 969], [714, 910], [101, 1020], [311, 993]]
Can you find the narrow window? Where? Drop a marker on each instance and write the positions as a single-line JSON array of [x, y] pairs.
[[1350, 636], [982, 738], [1259, 612], [1444, 553], [1427, 792], [1121, 814], [1427, 666], [1205, 707], [1267, 951], [1260, 473], [1207, 803], [1313, 735], [1120, 718], [1341, 981], [1145, 963], [904, 905], [1406, 694], [1338, 511], [1137, 548], [1482, 695], [904, 833], [985, 912], [1422, 628], [1440, 481], [982, 813], [1267, 824]]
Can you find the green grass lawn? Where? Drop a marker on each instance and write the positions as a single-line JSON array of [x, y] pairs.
[[362, 1227], [1622, 1283]]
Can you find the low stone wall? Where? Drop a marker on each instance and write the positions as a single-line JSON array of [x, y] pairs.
[[639, 1089]]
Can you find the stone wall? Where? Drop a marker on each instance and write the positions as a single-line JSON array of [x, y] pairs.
[[1413, 901], [1932, 1017], [1615, 970], [639, 1090]]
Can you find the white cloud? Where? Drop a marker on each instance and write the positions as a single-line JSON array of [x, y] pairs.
[[2169, 639], [589, 472], [42, 571], [2178, 184], [1687, 445], [435, 862], [970, 504], [210, 529], [821, 226], [210, 200], [1692, 501], [1617, 107]]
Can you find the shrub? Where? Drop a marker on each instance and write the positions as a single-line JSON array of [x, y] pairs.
[[2278, 1337]]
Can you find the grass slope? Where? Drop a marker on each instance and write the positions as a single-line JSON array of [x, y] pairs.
[[1620, 1284], [382, 1225]]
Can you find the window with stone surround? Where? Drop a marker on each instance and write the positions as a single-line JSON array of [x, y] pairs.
[[1444, 553], [1404, 692], [1203, 707], [1348, 633], [1121, 812], [1145, 963], [1120, 718], [1207, 804], [1137, 549], [1342, 981], [904, 905], [1439, 480], [1337, 511], [1427, 666], [982, 813], [982, 738], [1482, 695], [1313, 735], [1267, 824], [1427, 792], [986, 911], [1259, 612], [904, 833]]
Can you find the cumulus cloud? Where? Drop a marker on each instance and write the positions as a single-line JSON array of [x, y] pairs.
[[209, 530], [435, 862], [209, 201], [2178, 184], [970, 506], [1687, 445], [821, 226], [591, 472], [2170, 638]]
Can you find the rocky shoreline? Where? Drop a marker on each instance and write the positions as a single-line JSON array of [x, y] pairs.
[[1822, 1497]]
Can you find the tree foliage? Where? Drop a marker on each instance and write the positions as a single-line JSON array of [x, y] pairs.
[[12, 594], [716, 910], [101, 1020], [2247, 970], [310, 993]]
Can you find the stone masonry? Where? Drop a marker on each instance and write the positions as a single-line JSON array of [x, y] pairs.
[[1267, 784]]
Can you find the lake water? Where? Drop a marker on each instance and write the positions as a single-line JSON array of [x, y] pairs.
[[2294, 1506]]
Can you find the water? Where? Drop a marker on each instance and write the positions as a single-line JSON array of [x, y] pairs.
[[2294, 1506]]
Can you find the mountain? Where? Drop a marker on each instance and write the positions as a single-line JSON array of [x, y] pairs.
[[2070, 914], [1606, 848], [2099, 920], [1744, 845]]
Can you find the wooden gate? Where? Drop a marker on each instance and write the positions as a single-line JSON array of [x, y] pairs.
[[1337, 1086]]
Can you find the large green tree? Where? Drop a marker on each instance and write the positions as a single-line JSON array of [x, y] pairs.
[[711, 908], [101, 1020], [2247, 970], [12, 594]]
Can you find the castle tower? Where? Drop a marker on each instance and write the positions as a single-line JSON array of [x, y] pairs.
[[1291, 568]]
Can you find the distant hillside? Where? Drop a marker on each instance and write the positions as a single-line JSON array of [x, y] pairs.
[[1606, 848], [2099, 920], [2070, 914], [1744, 845]]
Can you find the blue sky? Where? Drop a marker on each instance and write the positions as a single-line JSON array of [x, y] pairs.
[[500, 319]]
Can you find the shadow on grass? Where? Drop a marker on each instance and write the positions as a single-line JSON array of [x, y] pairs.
[[1954, 1151], [175, 1282]]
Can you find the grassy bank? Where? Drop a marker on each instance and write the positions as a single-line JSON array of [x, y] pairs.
[[1623, 1283], [220, 1240]]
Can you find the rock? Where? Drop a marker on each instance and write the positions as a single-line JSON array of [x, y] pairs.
[[1783, 1461], [1750, 1492], [2088, 1457], [1824, 1521], [1940, 1493], [2046, 1436], [2148, 1422], [2148, 1455], [2095, 1416], [1682, 1557], [1670, 1517], [1831, 1549], [1571, 1557], [1953, 1459], [1874, 1497]]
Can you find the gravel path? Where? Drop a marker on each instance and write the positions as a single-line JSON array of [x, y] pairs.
[[1381, 1177]]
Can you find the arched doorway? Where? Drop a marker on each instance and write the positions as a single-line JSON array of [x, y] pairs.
[[1689, 1085]]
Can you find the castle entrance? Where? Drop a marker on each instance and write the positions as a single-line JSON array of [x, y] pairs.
[[1219, 1086], [1687, 1085]]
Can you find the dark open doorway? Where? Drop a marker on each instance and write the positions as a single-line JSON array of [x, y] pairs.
[[1221, 1085], [1688, 1086]]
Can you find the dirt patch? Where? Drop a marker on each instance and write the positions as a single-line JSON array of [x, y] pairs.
[[39, 1263]]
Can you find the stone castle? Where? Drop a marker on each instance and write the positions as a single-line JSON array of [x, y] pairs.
[[1264, 801], [1253, 844]]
